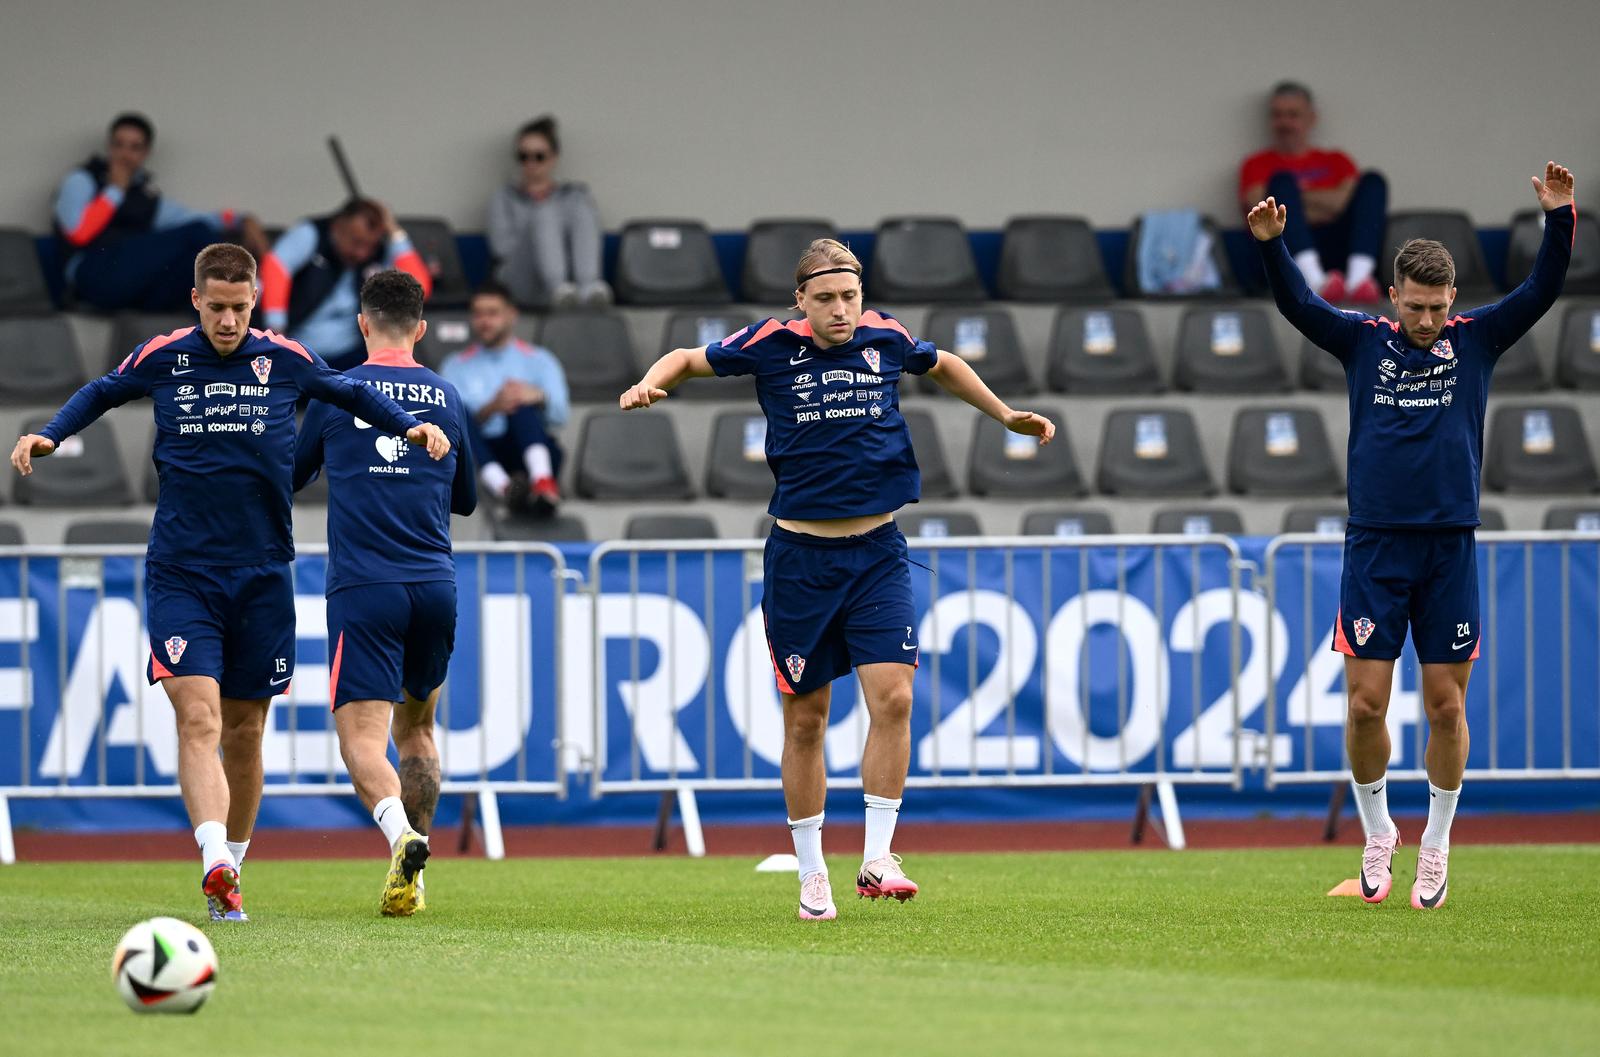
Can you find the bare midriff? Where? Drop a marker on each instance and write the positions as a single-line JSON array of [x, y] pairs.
[[836, 527]]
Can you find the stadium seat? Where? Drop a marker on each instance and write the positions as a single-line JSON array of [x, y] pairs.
[[1152, 452], [736, 459], [937, 480], [1051, 258], [11, 534], [923, 259], [1281, 451], [631, 456], [1102, 351], [1229, 286], [449, 331], [669, 262], [1320, 370], [1197, 521], [670, 527], [938, 524], [1583, 517], [1460, 237], [771, 251], [1527, 231], [1578, 355], [1326, 519], [129, 330], [23, 291], [98, 532], [435, 242], [1519, 370], [563, 528], [1490, 519], [987, 339], [595, 351], [1005, 464], [1539, 448], [39, 361], [695, 328], [1228, 350], [1067, 521], [85, 471]]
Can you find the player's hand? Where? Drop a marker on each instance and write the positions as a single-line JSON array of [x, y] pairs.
[[432, 437], [1030, 424], [30, 446], [640, 395], [1555, 190], [1267, 219]]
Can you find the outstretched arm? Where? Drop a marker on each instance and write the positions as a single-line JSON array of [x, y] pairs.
[[1508, 320], [85, 406], [664, 375], [956, 377], [322, 382], [1325, 325]]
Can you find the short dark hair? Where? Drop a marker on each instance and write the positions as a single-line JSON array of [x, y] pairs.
[[1293, 88], [224, 262], [366, 208], [392, 301], [1426, 263], [543, 125], [494, 288], [129, 119]]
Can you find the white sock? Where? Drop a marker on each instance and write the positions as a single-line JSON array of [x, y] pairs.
[[1372, 800], [213, 840], [881, 816], [1311, 267], [390, 815], [537, 458], [1360, 268], [807, 833], [1441, 812], [237, 848], [494, 478]]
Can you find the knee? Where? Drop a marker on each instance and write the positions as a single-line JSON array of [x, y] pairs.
[[1446, 713], [1366, 708], [894, 706], [199, 726], [1372, 180], [805, 721], [1282, 185], [243, 734], [413, 737]]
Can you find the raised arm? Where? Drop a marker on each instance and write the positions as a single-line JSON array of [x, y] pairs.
[[664, 375], [85, 406], [956, 377], [1325, 325], [1513, 315]]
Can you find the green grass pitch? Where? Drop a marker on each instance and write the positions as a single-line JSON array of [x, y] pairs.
[[1082, 953]]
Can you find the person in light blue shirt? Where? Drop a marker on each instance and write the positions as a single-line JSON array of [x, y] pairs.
[[517, 396]]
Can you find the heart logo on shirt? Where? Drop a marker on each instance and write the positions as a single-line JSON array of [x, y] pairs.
[[391, 448]]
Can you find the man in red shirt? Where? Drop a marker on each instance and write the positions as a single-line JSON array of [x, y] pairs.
[[1341, 210]]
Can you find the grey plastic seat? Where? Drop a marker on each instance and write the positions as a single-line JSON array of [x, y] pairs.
[[129, 330], [435, 243], [736, 461], [1527, 231], [1320, 370], [919, 259], [1449, 226], [987, 339], [1518, 370], [632, 456], [694, 328], [1101, 351], [11, 534], [1051, 258], [1152, 452], [1067, 521], [1491, 519], [563, 528], [23, 291], [1578, 355], [1539, 448], [771, 251], [662, 526], [937, 480], [595, 350], [669, 262], [101, 532], [1228, 284], [1281, 451], [938, 524], [85, 470], [1228, 350], [449, 332], [1325, 519], [1197, 521], [1573, 517], [1005, 464], [39, 360]]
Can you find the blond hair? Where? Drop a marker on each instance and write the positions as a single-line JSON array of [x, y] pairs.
[[824, 253]]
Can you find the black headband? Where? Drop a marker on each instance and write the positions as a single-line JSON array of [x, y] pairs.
[[804, 279]]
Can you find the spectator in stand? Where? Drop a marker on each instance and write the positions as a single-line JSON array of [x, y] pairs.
[[311, 280], [126, 246], [516, 394], [545, 235], [1341, 211]]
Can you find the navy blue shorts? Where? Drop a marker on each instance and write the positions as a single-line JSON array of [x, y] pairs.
[[386, 638], [833, 604], [232, 623], [1394, 578]]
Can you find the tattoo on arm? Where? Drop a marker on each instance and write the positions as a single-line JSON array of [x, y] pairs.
[[419, 790]]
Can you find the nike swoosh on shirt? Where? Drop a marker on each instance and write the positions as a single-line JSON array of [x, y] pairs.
[[1460, 645], [280, 682], [190, 370], [908, 646], [363, 424], [794, 362]]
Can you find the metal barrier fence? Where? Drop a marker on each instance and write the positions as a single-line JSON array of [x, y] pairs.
[[88, 683], [1559, 662]]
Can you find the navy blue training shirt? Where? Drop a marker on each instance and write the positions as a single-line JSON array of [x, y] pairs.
[[389, 504], [1416, 415], [224, 447], [836, 442]]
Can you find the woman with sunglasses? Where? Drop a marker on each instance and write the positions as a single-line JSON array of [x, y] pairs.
[[545, 234]]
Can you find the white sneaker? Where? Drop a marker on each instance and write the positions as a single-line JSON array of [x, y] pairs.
[[816, 898]]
